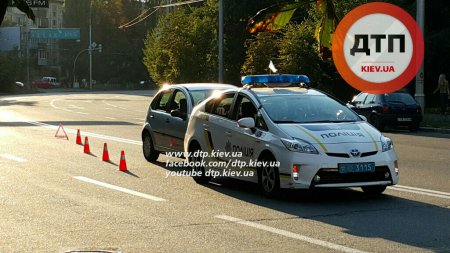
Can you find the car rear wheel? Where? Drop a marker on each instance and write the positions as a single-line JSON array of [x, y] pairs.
[[414, 127], [376, 122], [148, 149], [269, 178], [374, 189], [197, 167]]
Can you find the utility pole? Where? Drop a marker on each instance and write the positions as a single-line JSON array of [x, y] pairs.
[[27, 51], [220, 41], [90, 44], [420, 95]]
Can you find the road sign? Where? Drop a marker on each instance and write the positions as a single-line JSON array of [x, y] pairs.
[[32, 3], [55, 33]]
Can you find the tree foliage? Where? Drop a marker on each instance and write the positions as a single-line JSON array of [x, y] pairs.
[[183, 46], [10, 70], [120, 60]]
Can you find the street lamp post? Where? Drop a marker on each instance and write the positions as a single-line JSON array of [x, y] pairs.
[[90, 45], [91, 48], [220, 41], [420, 95]]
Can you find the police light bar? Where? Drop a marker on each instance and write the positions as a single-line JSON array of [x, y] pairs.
[[275, 79]]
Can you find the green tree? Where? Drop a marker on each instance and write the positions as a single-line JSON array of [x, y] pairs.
[[183, 46], [120, 61], [10, 70], [263, 48], [295, 51]]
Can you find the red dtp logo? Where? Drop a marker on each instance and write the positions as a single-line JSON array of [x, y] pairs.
[[378, 48]]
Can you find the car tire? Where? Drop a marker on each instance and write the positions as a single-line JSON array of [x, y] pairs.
[[374, 189], [376, 122], [414, 127], [202, 178], [148, 149], [269, 178]]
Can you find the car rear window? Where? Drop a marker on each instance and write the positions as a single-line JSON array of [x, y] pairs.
[[200, 95], [402, 98]]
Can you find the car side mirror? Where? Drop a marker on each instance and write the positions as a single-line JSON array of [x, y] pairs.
[[246, 123], [363, 117], [178, 114]]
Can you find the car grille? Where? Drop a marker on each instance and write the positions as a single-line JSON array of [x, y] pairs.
[[345, 155], [332, 176]]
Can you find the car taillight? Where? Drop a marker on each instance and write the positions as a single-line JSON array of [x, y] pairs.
[[385, 108], [419, 109]]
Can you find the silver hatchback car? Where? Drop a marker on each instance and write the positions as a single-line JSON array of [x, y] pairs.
[[168, 114]]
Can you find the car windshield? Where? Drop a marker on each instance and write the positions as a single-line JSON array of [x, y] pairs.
[[306, 109], [402, 98]]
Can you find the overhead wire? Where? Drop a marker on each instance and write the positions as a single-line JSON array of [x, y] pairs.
[[141, 17]]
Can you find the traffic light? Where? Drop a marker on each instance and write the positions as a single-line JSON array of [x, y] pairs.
[[100, 48]]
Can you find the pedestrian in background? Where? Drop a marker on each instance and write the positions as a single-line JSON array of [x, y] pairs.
[[443, 93]]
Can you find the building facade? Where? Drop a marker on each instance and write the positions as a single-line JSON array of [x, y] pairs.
[[43, 55]]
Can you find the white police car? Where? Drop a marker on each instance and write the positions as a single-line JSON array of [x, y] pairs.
[[287, 137]]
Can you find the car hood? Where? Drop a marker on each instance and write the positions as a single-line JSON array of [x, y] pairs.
[[333, 133]]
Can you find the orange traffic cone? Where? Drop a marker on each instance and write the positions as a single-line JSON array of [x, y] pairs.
[[105, 153], [79, 138], [123, 162], [87, 150]]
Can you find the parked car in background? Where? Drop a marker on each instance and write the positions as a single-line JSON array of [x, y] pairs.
[[46, 82], [168, 114], [391, 109]]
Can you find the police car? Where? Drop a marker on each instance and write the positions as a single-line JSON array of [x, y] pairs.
[[287, 137]]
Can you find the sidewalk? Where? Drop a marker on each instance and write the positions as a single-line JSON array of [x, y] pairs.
[[436, 123]]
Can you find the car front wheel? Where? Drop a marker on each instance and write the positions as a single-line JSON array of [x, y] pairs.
[[376, 122], [269, 178], [148, 149], [198, 168]]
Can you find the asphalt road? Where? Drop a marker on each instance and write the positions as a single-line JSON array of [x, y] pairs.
[[55, 198]]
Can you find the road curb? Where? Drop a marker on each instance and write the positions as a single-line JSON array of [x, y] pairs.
[[436, 130]]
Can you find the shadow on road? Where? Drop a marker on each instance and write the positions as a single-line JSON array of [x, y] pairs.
[[16, 102], [387, 217]]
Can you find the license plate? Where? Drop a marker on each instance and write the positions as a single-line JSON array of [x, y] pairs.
[[356, 167], [404, 119]]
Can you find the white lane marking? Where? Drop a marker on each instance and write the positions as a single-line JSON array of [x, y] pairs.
[[84, 113], [52, 104], [115, 106], [118, 188], [77, 107], [290, 234], [123, 108], [109, 118], [73, 131], [425, 192], [422, 189], [13, 158]]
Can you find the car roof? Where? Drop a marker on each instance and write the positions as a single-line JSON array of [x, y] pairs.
[[203, 86], [262, 92]]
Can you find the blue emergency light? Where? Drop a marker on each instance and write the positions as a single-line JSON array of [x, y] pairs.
[[275, 79]]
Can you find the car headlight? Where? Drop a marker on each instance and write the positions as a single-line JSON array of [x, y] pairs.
[[299, 145], [386, 144]]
